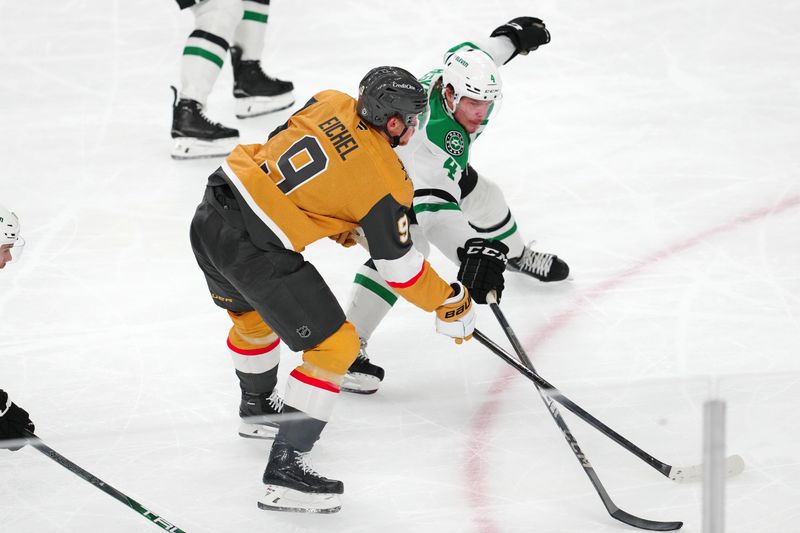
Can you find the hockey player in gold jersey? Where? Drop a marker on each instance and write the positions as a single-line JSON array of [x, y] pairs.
[[329, 171]]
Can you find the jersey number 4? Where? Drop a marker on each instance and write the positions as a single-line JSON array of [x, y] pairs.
[[301, 162]]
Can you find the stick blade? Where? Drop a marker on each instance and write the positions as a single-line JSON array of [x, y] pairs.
[[734, 465], [643, 523]]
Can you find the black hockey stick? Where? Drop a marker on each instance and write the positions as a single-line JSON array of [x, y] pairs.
[[37, 443], [611, 507], [733, 464]]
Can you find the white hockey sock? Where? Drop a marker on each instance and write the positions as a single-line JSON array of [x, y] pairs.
[[251, 30], [370, 301]]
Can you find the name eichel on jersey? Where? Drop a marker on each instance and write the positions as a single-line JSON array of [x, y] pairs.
[[342, 139]]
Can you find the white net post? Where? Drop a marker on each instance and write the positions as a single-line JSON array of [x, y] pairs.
[[714, 466]]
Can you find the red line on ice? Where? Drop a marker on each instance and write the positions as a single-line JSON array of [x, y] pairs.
[[478, 493]]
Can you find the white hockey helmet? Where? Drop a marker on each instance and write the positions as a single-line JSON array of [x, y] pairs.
[[10, 233], [471, 73]]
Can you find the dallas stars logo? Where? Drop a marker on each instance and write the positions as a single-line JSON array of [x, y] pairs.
[[454, 143]]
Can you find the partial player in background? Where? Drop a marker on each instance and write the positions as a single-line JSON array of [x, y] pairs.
[[11, 243], [456, 208], [328, 170], [13, 419], [238, 26]]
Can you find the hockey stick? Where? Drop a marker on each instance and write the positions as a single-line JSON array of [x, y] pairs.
[[37, 443], [733, 465], [610, 506]]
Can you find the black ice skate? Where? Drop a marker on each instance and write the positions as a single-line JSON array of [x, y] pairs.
[[195, 135], [544, 267], [292, 484], [259, 414], [255, 92], [362, 377]]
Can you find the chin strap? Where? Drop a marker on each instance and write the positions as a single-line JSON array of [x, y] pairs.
[[394, 140]]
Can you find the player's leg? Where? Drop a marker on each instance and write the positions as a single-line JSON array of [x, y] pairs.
[[305, 314], [371, 299], [255, 350], [203, 56], [253, 346], [485, 205], [291, 296], [255, 92]]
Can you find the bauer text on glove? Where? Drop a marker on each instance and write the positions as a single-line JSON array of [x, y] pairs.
[[456, 316]]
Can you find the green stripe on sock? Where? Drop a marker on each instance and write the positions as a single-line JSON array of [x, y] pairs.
[[419, 208], [377, 288], [504, 235], [195, 51], [258, 17]]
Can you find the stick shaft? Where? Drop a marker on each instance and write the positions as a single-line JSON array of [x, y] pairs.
[[662, 467], [46, 450], [609, 504]]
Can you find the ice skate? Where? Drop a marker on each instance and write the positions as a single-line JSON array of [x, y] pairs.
[[544, 267], [255, 92], [259, 414], [195, 135], [293, 485], [362, 377]]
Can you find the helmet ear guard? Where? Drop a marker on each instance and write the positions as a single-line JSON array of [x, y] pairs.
[[471, 73]]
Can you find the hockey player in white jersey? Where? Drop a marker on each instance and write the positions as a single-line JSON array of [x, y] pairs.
[[237, 27], [455, 208], [14, 420]]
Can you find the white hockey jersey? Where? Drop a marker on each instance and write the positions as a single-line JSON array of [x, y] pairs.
[[437, 158]]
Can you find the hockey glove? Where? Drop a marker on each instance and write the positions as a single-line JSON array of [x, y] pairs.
[[456, 316], [527, 34], [13, 420], [482, 265]]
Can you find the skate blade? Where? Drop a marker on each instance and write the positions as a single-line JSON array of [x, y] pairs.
[[193, 148], [254, 106], [279, 498], [360, 383], [257, 431]]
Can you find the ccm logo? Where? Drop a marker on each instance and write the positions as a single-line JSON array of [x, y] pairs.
[[489, 252]]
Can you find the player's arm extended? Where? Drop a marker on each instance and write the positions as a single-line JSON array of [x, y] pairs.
[[404, 268]]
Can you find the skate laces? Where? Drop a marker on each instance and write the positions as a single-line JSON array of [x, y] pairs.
[[535, 261], [303, 460], [275, 401], [362, 351]]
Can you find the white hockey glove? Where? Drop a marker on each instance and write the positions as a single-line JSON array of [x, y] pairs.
[[456, 316]]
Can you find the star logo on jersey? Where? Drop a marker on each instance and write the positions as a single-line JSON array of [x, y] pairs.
[[454, 143]]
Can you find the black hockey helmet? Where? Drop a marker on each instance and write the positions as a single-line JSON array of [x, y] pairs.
[[390, 91]]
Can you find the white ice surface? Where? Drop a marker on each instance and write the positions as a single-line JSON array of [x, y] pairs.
[[653, 145]]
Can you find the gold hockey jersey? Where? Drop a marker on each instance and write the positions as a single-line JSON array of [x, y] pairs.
[[325, 172]]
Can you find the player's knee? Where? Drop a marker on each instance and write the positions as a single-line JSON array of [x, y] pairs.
[[335, 354], [219, 17], [249, 331]]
